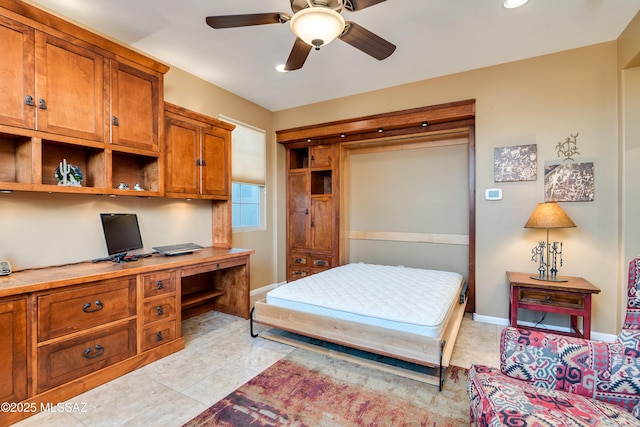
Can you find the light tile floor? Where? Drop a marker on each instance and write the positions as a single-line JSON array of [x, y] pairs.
[[219, 356]]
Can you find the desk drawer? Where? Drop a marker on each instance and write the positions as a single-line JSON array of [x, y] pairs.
[[63, 312], [558, 299], [156, 335], [159, 283], [67, 360], [159, 309], [213, 266]]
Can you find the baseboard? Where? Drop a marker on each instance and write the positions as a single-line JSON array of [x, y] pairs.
[[598, 336]]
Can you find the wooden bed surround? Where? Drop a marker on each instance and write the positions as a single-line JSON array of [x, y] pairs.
[[426, 125]]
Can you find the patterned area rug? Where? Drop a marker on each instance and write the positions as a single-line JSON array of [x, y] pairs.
[[309, 389]]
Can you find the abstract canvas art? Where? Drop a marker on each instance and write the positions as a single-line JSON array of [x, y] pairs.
[[515, 163]]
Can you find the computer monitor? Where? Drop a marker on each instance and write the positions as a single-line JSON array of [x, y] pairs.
[[121, 233]]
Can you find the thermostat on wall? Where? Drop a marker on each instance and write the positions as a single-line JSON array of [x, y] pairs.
[[493, 194]]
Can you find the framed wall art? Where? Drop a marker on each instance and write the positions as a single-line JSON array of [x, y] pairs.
[[515, 163], [569, 182]]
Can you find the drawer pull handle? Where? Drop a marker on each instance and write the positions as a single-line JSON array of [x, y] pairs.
[[300, 261], [115, 121], [548, 299], [159, 336], [42, 104], [99, 306], [321, 262], [99, 351], [29, 101], [159, 310], [159, 285], [218, 266]]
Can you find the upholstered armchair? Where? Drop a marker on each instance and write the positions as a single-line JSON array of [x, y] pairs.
[[546, 379]]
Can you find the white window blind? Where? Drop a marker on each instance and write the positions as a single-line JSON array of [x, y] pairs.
[[248, 153]]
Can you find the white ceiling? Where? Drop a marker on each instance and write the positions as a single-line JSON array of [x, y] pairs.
[[433, 38]]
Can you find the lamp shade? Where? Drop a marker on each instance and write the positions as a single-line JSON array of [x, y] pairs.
[[549, 215], [317, 26]]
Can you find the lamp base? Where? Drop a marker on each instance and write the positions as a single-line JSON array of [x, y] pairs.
[[549, 278]]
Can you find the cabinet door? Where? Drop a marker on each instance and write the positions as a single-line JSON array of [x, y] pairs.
[[299, 218], [13, 350], [69, 89], [321, 222], [181, 154], [16, 73], [215, 164], [321, 156], [134, 107]]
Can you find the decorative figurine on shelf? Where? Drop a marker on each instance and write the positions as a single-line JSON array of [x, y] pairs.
[[123, 186], [68, 175], [138, 187]]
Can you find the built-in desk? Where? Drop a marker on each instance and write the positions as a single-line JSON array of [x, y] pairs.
[[67, 329]]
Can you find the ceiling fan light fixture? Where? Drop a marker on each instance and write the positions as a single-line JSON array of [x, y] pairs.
[[512, 4], [317, 26]]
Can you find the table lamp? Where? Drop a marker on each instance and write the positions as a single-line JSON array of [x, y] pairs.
[[548, 215]]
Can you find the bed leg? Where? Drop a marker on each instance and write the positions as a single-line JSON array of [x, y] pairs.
[[251, 323], [441, 380]]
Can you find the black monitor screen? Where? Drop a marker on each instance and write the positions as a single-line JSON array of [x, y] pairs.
[[121, 232]]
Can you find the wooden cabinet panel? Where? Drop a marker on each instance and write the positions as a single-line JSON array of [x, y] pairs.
[[135, 107], [158, 309], [321, 156], [322, 220], [298, 217], [159, 283], [66, 360], [13, 350], [181, 154], [16, 73], [214, 169], [64, 312], [156, 335], [69, 89]]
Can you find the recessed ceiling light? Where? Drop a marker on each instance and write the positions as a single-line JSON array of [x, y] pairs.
[[512, 4], [281, 68]]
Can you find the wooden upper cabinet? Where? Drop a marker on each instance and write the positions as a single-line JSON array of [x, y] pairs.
[[181, 155], [16, 73], [70, 89], [321, 156], [135, 107], [197, 155], [215, 162]]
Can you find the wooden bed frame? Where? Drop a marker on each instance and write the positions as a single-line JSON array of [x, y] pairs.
[[418, 349]]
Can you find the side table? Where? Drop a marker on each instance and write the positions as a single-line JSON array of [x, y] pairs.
[[572, 297]]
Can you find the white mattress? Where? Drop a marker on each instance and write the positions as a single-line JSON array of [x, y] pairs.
[[399, 298]]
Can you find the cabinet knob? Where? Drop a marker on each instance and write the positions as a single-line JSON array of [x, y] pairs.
[[29, 101], [42, 104], [115, 121], [159, 285], [159, 336], [159, 310], [89, 352]]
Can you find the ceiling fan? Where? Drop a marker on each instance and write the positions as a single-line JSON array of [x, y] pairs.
[[315, 23]]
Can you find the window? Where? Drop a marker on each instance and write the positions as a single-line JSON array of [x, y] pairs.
[[246, 203], [248, 169]]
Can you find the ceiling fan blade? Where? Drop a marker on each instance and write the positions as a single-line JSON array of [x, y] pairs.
[[232, 21], [364, 40], [298, 55], [354, 5]]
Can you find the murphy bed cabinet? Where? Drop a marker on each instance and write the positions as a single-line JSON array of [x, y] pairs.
[[312, 209], [68, 329], [71, 94], [197, 155]]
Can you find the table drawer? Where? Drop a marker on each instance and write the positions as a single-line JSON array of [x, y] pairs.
[[159, 309], [213, 266], [156, 335], [67, 360], [159, 283], [63, 312], [558, 299]]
